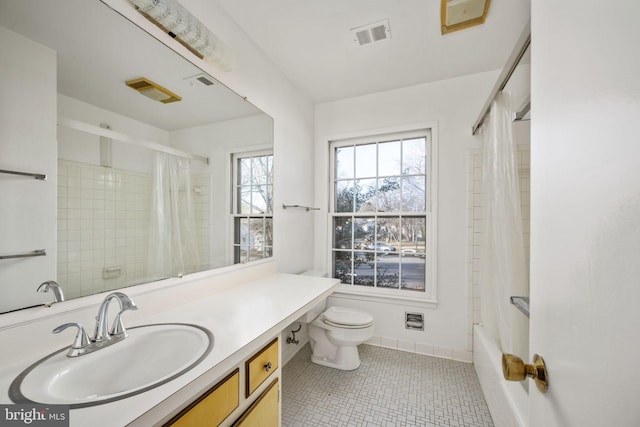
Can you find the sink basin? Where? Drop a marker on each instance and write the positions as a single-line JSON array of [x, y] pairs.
[[151, 356]]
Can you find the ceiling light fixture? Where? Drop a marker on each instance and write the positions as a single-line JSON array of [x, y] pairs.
[[458, 15], [173, 18], [153, 90]]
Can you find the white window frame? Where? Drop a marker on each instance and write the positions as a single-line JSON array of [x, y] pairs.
[[428, 298], [234, 197]]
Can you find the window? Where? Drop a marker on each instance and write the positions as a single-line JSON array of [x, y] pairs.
[[382, 213], [253, 206]]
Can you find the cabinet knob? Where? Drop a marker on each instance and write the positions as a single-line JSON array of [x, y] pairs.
[[267, 367]]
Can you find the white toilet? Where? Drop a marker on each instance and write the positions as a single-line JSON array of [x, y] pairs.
[[335, 335]]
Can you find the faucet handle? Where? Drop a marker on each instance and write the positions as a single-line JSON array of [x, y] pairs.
[[80, 342], [118, 330]]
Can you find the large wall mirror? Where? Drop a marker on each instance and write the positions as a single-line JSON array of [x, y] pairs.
[[146, 190]]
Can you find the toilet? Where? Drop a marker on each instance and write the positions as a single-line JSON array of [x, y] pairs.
[[335, 334]]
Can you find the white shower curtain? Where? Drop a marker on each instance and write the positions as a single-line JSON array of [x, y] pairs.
[[503, 270], [173, 247]]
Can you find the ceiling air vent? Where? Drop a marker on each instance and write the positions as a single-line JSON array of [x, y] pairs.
[[200, 79], [371, 33]]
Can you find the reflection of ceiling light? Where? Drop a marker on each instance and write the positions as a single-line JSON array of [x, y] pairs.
[[184, 27], [152, 90], [460, 14]]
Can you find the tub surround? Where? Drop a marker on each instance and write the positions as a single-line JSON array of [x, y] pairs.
[[244, 308]]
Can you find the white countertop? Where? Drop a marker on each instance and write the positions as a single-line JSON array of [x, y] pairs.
[[242, 319]]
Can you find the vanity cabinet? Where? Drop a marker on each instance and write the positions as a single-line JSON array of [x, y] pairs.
[[214, 406], [264, 412], [258, 406]]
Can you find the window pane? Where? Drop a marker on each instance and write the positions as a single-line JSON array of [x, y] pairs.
[[364, 229], [414, 194], [366, 161], [414, 156], [364, 269], [388, 195], [413, 236], [268, 234], [387, 234], [344, 196], [270, 169], [244, 171], [269, 196], [413, 273], [342, 232], [389, 158], [342, 266], [256, 238], [244, 200], [260, 170], [259, 199], [344, 162], [388, 270], [365, 191]]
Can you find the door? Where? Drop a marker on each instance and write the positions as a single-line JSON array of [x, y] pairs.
[[585, 218]]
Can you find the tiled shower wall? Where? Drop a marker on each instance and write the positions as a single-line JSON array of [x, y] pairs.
[[475, 224], [103, 226], [103, 222]]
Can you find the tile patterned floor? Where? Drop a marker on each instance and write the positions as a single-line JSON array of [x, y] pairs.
[[391, 388]]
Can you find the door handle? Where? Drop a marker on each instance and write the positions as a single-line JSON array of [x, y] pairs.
[[514, 369]]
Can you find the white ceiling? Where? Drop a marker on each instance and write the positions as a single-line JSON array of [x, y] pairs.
[[310, 41]]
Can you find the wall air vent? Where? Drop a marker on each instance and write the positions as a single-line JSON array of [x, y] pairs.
[[153, 90], [371, 33]]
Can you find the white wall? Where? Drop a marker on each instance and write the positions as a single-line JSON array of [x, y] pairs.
[[454, 104], [27, 144]]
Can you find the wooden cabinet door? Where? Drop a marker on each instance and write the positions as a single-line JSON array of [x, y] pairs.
[[214, 406], [264, 412]]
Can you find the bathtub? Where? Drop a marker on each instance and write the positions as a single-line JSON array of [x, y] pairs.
[[508, 401]]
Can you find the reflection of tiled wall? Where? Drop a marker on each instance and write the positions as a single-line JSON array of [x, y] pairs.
[[201, 199], [475, 199], [103, 221]]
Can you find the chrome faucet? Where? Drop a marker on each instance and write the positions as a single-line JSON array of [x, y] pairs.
[[51, 285], [102, 333], [102, 336]]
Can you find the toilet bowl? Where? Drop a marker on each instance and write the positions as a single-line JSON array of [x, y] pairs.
[[335, 335]]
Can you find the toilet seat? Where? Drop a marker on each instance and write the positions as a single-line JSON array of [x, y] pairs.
[[347, 318]]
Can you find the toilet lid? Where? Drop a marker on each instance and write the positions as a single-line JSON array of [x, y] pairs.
[[347, 317]]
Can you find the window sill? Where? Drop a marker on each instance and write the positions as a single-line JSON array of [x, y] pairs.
[[390, 297]]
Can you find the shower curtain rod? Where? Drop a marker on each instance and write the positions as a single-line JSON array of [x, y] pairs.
[[96, 130], [514, 59]]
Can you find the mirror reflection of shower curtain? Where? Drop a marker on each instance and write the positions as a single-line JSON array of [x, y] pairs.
[[173, 245], [503, 270]]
